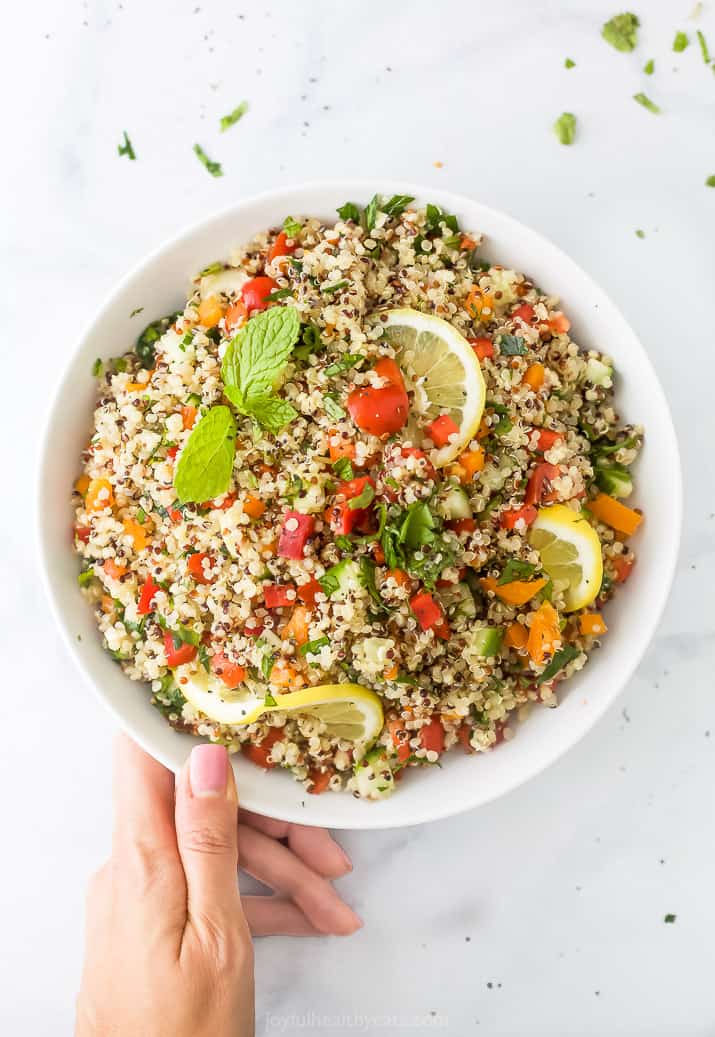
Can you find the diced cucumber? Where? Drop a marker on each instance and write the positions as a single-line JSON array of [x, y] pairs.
[[599, 373], [454, 504], [373, 778], [458, 601], [342, 579], [312, 501], [485, 641], [614, 478]]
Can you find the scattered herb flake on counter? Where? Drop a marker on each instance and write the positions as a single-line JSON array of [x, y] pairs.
[[621, 31], [214, 168], [646, 102], [680, 42], [640, 233], [565, 128], [669, 919], [710, 182], [139, 309], [569, 63], [126, 148], [233, 117], [649, 67], [703, 47], [97, 367]]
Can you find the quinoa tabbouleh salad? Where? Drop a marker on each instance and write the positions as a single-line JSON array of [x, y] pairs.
[[359, 503]]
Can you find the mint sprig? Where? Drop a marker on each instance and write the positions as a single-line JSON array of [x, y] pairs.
[[206, 462]]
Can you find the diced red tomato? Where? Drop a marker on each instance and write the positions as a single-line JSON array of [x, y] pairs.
[[483, 347], [172, 452], [278, 595], [256, 291], [381, 411], [538, 489], [427, 611], [294, 535], [83, 533], [524, 312], [235, 315], [509, 519], [253, 628], [307, 592], [195, 565], [400, 739], [432, 737], [467, 525], [177, 655], [464, 734], [623, 567], [146, 596], [344, 519], [230, 673], [442, 630], [546, 439], [320, 781], [441, 429], [280, 247], [259, 754], [354, 487]]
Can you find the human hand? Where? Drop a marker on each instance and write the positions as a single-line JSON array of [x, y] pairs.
[[168, 947]]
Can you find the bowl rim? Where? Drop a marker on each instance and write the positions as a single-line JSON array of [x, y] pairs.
[[361, 188]]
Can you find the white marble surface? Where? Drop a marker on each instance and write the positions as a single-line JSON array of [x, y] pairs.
[[540, 914]]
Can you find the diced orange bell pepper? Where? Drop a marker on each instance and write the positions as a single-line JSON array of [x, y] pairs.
[[479, 304], [591, 624], [210, 311], [392, 673], [518, 592], [516, 636], [297, 625], [253, 506], [99, 495], [544, 633], [616, 515], [285, 676], [345, 448], [113, 570], [188, 417], [137, 532], [399, 576], [534, 376], [82, 484]]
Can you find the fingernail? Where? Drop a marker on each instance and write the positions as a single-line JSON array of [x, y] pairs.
[[346, 860], [208, 770]]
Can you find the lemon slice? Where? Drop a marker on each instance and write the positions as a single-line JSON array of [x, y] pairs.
[[443, 372], [347, 710], [570, 553]]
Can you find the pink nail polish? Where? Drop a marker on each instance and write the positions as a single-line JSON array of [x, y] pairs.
[[208, 770]]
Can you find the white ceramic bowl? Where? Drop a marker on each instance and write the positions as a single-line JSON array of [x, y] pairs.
[[158, 285]]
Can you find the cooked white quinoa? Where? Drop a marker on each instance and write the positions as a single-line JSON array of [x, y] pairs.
[[127, 513]]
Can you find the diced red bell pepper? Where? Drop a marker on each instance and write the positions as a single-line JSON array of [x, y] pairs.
[[427, 611], [483, 347], [256, 291], [400, 739], [259, 754], [464, 735], [307, 591], [623, 567], [546, 438], [294, 535], [343, 518], [280, 247], [320, 780], [432, 736], [538, 487], [442, 630], [195, 565], [277, 595], [172, 452], [525, 312], [83, 534], [441, 429], [146, 597], [509, 519], [253, 627], [177, 655], [380, 411], [232, 674], [467, 525]]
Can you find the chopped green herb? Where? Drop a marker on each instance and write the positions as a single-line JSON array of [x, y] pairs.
[[647, 103], [560, 659], [126, 148], [710, 182], [292, 227], [512, 345], [568, 63], [349, 211], [97, 368], [397, 204], [141, 516], [313, 647], [344, 364], [344, 543], [621, 31], [454, 241], [703, 47], [640, 233], [233, 117], [363, 499], [434, 217], [565, 127], [504, 424], [336, 286], [213, 268], [214, 168], [680, 42], [332, 407], [669, 919], [119, 364], [516, 570], [310, 342], [649, 67], [204, 658], [343, 469], [267, 661], [280, 293], [370, 213], [139, 309], [145, 347], [86, 577]]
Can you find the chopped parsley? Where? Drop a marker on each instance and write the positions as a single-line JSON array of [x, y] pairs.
[[313, 647], [434, 217], [280, 293], [640, 233], [644, 100], [349, 211], [336, 286], [680, 42], [669, 919], [397, 204], [565, 128], [332, 407], [233, 117], [126, 148], [214, 168], [343, 468], [512, 345], [370, 214], [267, 661], [292, 227], [560, 659], [516, 570], [344, 364], [621, 31], [139, 309], [568, 63]]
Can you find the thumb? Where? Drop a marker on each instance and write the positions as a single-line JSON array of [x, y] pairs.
[[207, 832]]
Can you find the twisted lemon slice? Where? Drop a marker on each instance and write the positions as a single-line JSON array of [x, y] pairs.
[[570, 553]]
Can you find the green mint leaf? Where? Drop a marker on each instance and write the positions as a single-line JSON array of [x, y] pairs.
[[621, 31], [292, 227], [710, 182], [206, 462], [343, 469], [271, 412], [397, 204], [126, 148], [234, 394], [233, 117], [214, 168], [363, 499], [512, 345], [370, 214], [344, 364], [565, 127], [560, 659], [332, 407], [349, 211], [649, 67], [313, 647], [516, 570], [703, 47], [680, 42], [257, 355], [568, 63], [647, 103], [335, 286]]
